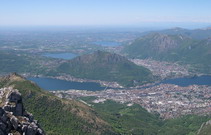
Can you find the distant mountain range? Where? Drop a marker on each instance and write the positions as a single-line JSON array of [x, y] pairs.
[[173, 45], [202, 33], [108, 67]]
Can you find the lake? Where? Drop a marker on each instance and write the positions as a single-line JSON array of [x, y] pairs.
[[201, 80], [107, 43], [66, 56], [56, 84]]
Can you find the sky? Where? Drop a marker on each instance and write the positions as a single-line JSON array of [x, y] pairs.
[[103, 12]]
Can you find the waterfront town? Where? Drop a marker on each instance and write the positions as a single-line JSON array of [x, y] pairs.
[[168, 100], [164, 69]]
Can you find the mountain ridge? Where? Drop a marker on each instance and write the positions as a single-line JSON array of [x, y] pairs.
[[55, 115]]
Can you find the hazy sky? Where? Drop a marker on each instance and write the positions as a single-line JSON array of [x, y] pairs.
[[103, 12]]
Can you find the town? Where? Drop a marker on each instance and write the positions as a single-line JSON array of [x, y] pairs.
[[170, 101], [165, 69]]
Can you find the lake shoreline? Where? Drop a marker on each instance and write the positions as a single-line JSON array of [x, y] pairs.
[[114, 85]]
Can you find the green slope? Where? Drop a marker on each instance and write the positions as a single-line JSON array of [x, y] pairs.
[[186, 125], [108, 67], [205, 128], [57, 116], [128, 120], [11, 62]]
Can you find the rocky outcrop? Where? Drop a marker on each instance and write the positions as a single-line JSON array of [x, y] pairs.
[[162, 42], [14, 119]]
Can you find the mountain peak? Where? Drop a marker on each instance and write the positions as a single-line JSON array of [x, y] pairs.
[[106, 66], [100, 57], [161, 42]]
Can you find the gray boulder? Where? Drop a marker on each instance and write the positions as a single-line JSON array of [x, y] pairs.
[[14, 118], [14, 96]]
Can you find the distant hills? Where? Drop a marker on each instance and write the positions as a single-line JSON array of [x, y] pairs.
[[17, 61], [175, 48], [108, 67], [11, 62]]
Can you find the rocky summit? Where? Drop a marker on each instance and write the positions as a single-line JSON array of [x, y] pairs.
[[14, 119]]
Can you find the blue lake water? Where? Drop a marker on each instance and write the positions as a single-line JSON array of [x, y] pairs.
[[56, 84], [201, 80], [107, 43], [65, 56]]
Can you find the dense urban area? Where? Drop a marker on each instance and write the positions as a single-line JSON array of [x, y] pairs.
[[168, 100]]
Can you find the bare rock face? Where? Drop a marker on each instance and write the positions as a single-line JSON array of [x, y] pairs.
[[14, 119], [163, 43]]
